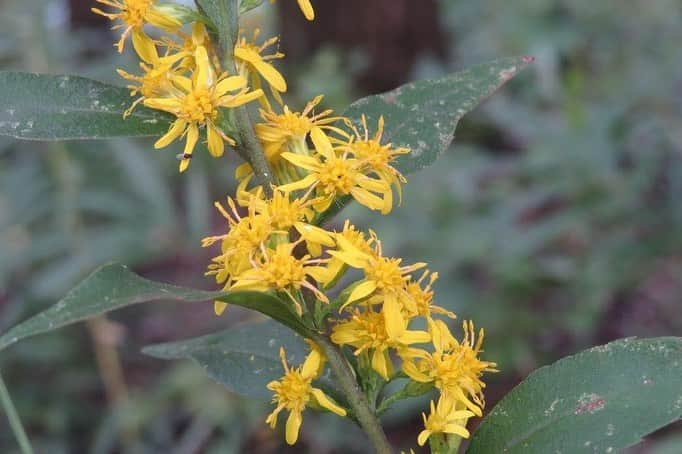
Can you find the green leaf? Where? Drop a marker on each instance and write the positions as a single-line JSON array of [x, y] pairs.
[[114, 286], [600, 400], [53, 107], [423, 115], [244, 359]]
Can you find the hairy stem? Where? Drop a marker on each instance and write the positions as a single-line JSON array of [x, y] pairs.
[[14, 421], [365, 415]]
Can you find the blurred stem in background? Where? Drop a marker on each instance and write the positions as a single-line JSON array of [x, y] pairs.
[[14, 421]]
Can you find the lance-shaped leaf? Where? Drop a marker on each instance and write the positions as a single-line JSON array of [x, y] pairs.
[[244, 359], [600, 400], [423, 115], [54, 107], [115, 286]]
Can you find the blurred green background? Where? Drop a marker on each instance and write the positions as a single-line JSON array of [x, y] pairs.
[[555, 220]]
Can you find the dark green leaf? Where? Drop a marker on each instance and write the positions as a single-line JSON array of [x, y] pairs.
[[600, 400], [114, 286], [52, 107], [423, 115], [244, 359]]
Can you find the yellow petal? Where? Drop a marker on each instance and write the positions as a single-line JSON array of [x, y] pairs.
[[326, 402], [380, 363], [293, 425], [236, 101], [271, 75], [215, 142], [219, 307], [393, 318], [176, 129], [423, 436], [322, 143], [144, 46], [203, 73], [456, 429], [363, 290], [307, 9], [231, 83]]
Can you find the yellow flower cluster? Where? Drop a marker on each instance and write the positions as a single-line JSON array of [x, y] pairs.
[[273, 242]]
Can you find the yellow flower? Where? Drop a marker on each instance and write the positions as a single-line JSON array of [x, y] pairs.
[[420, 301], [355, 237], [332, 175], [454, 368], [198, 38], [134, 14], [370, 331], [239, 246], [444, 419], [306, 8], [280, 270], [195, 103], [377, 157], [385, 279], [250, 62], [286, 213], [158, 73], [294, 392]]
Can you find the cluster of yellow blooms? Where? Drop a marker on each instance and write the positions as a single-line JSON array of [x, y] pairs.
[[273, 243]]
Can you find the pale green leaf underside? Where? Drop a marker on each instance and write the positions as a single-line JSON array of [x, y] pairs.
[[244, 359], [114, 286], [600, 400], [55, 107]]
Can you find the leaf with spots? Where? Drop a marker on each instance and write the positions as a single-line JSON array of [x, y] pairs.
[[600, 400], [243, 359], [113, 287], [54, 107], [423, 115]]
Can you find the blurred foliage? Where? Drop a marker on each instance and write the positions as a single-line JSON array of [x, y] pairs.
[[555, 220]]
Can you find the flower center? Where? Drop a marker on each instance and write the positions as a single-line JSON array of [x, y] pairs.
[[386, 273], [134, 12], [294, 391], [336, 176], [284, 270], [293, 124], [198, 106], [371, 152]]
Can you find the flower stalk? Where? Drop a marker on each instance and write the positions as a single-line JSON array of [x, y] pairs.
[[14, 421]]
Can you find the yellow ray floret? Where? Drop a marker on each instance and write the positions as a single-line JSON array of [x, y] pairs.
[[195, 103], [134, 14], [253, 64], [294, 392]]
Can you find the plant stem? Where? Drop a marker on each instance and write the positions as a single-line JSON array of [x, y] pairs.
[[248, 142], [14, 421], [356, 398]]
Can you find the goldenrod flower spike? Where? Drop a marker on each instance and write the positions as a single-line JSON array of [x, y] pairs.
[[134, 14], [444, 419], [195, 103], [294, 392], [306, 8]]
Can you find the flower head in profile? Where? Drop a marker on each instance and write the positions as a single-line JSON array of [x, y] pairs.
[[253, 64], [306, 8], [133, 15], [196, 102], [454, 368], [444, 419], [294, 392], [370, 331], [332, 175]]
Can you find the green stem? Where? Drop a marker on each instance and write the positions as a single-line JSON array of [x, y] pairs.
[[251, 147], [14, 421], [356, 398]]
